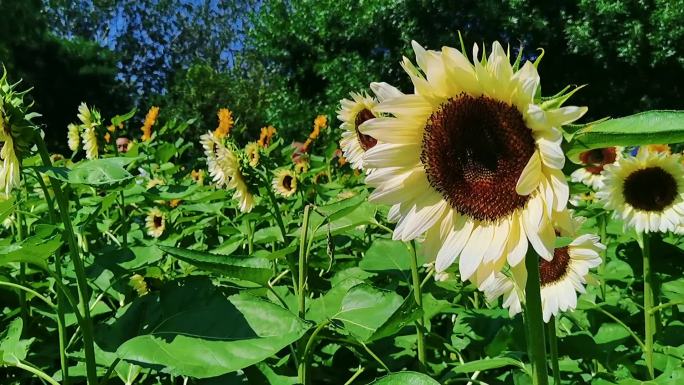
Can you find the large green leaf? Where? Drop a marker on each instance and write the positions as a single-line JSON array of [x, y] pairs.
[[405, 378], [386, 254], [365, 309], [650, 127], [252, 269], [34, 250], [103, 173], [487, 364], [191, 328], [12, 347]]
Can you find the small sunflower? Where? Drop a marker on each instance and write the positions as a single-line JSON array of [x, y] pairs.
[[321, 121], [9, 173], [154, 182], [301, 166], [90, 142], [73, 136], [266, 136], [662, 148], [253, 152], [353, 113], [646, 191], [561, 278], [197, 176], [150, 120], [173, 203], [472, 159], [90, 119], [594, 162], [225, 123], [107, 137], [155, 223], [285, 183]]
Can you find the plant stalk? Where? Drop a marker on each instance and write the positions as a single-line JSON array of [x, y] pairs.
[[301, 292], [420, 323], [124, 219], [79, 268], [553, 349], [649, 316], [536, 346]]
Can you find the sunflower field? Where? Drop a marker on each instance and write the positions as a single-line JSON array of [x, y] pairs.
[[465, 226]]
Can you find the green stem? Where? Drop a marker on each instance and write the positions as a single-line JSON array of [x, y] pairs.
[[665, 305], [22, 288], [22, 268], [553, 348], [35, 371], [250, 237], [79, 268], [358, 372], [649, 316], [61, 331], [301, 292], [619, 322], [534, 322], [124, 219], [420, 323], [602, 223]]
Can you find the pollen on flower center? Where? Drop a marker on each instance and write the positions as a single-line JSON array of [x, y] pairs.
[[596, 159], [650, 189], [365, 141], [555, 269], [474, 151]]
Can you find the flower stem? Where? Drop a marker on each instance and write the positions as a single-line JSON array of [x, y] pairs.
[[420, 323], [79, 268], [301, 292], [22, 267], [649, 316], [553, 348], [602, 223], [124, 219], [536, 346]]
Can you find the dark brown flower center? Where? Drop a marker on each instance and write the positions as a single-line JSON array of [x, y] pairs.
[[597, 158], [650, 189], [474, 150], [365, 141], [157, 221], [287, 182], [555, 269]]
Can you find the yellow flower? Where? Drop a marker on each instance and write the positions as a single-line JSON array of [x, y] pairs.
[[9, 173], [595, 161], [284, 183], [266, 135], [155, 223], [73, 136], [85, 115], [472, 160], [111, 128], [173, 203], [107, 137], [197, 176], [89, 137], [155, 182], [662, 148], [225, 123], [321, 121], [150, 120], [138, 283], [301, 167], [253, 153]]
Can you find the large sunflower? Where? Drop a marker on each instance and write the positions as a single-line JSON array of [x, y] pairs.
[[472, 159], [646, 191], [284, 183], [155, 222]]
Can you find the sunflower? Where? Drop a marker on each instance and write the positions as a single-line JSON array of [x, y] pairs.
[[646, 191], [154, 183], [155, 222], [150, 120], [561, 278], [211, 147], [197, 176], [253, 153], [266, 136], [664, 148], [595, 161], [353, 113], [472, 159], [301, 166], [73, 136], [321, 121], [285, 183], [90, 142], [225, 123], [9, 173]]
